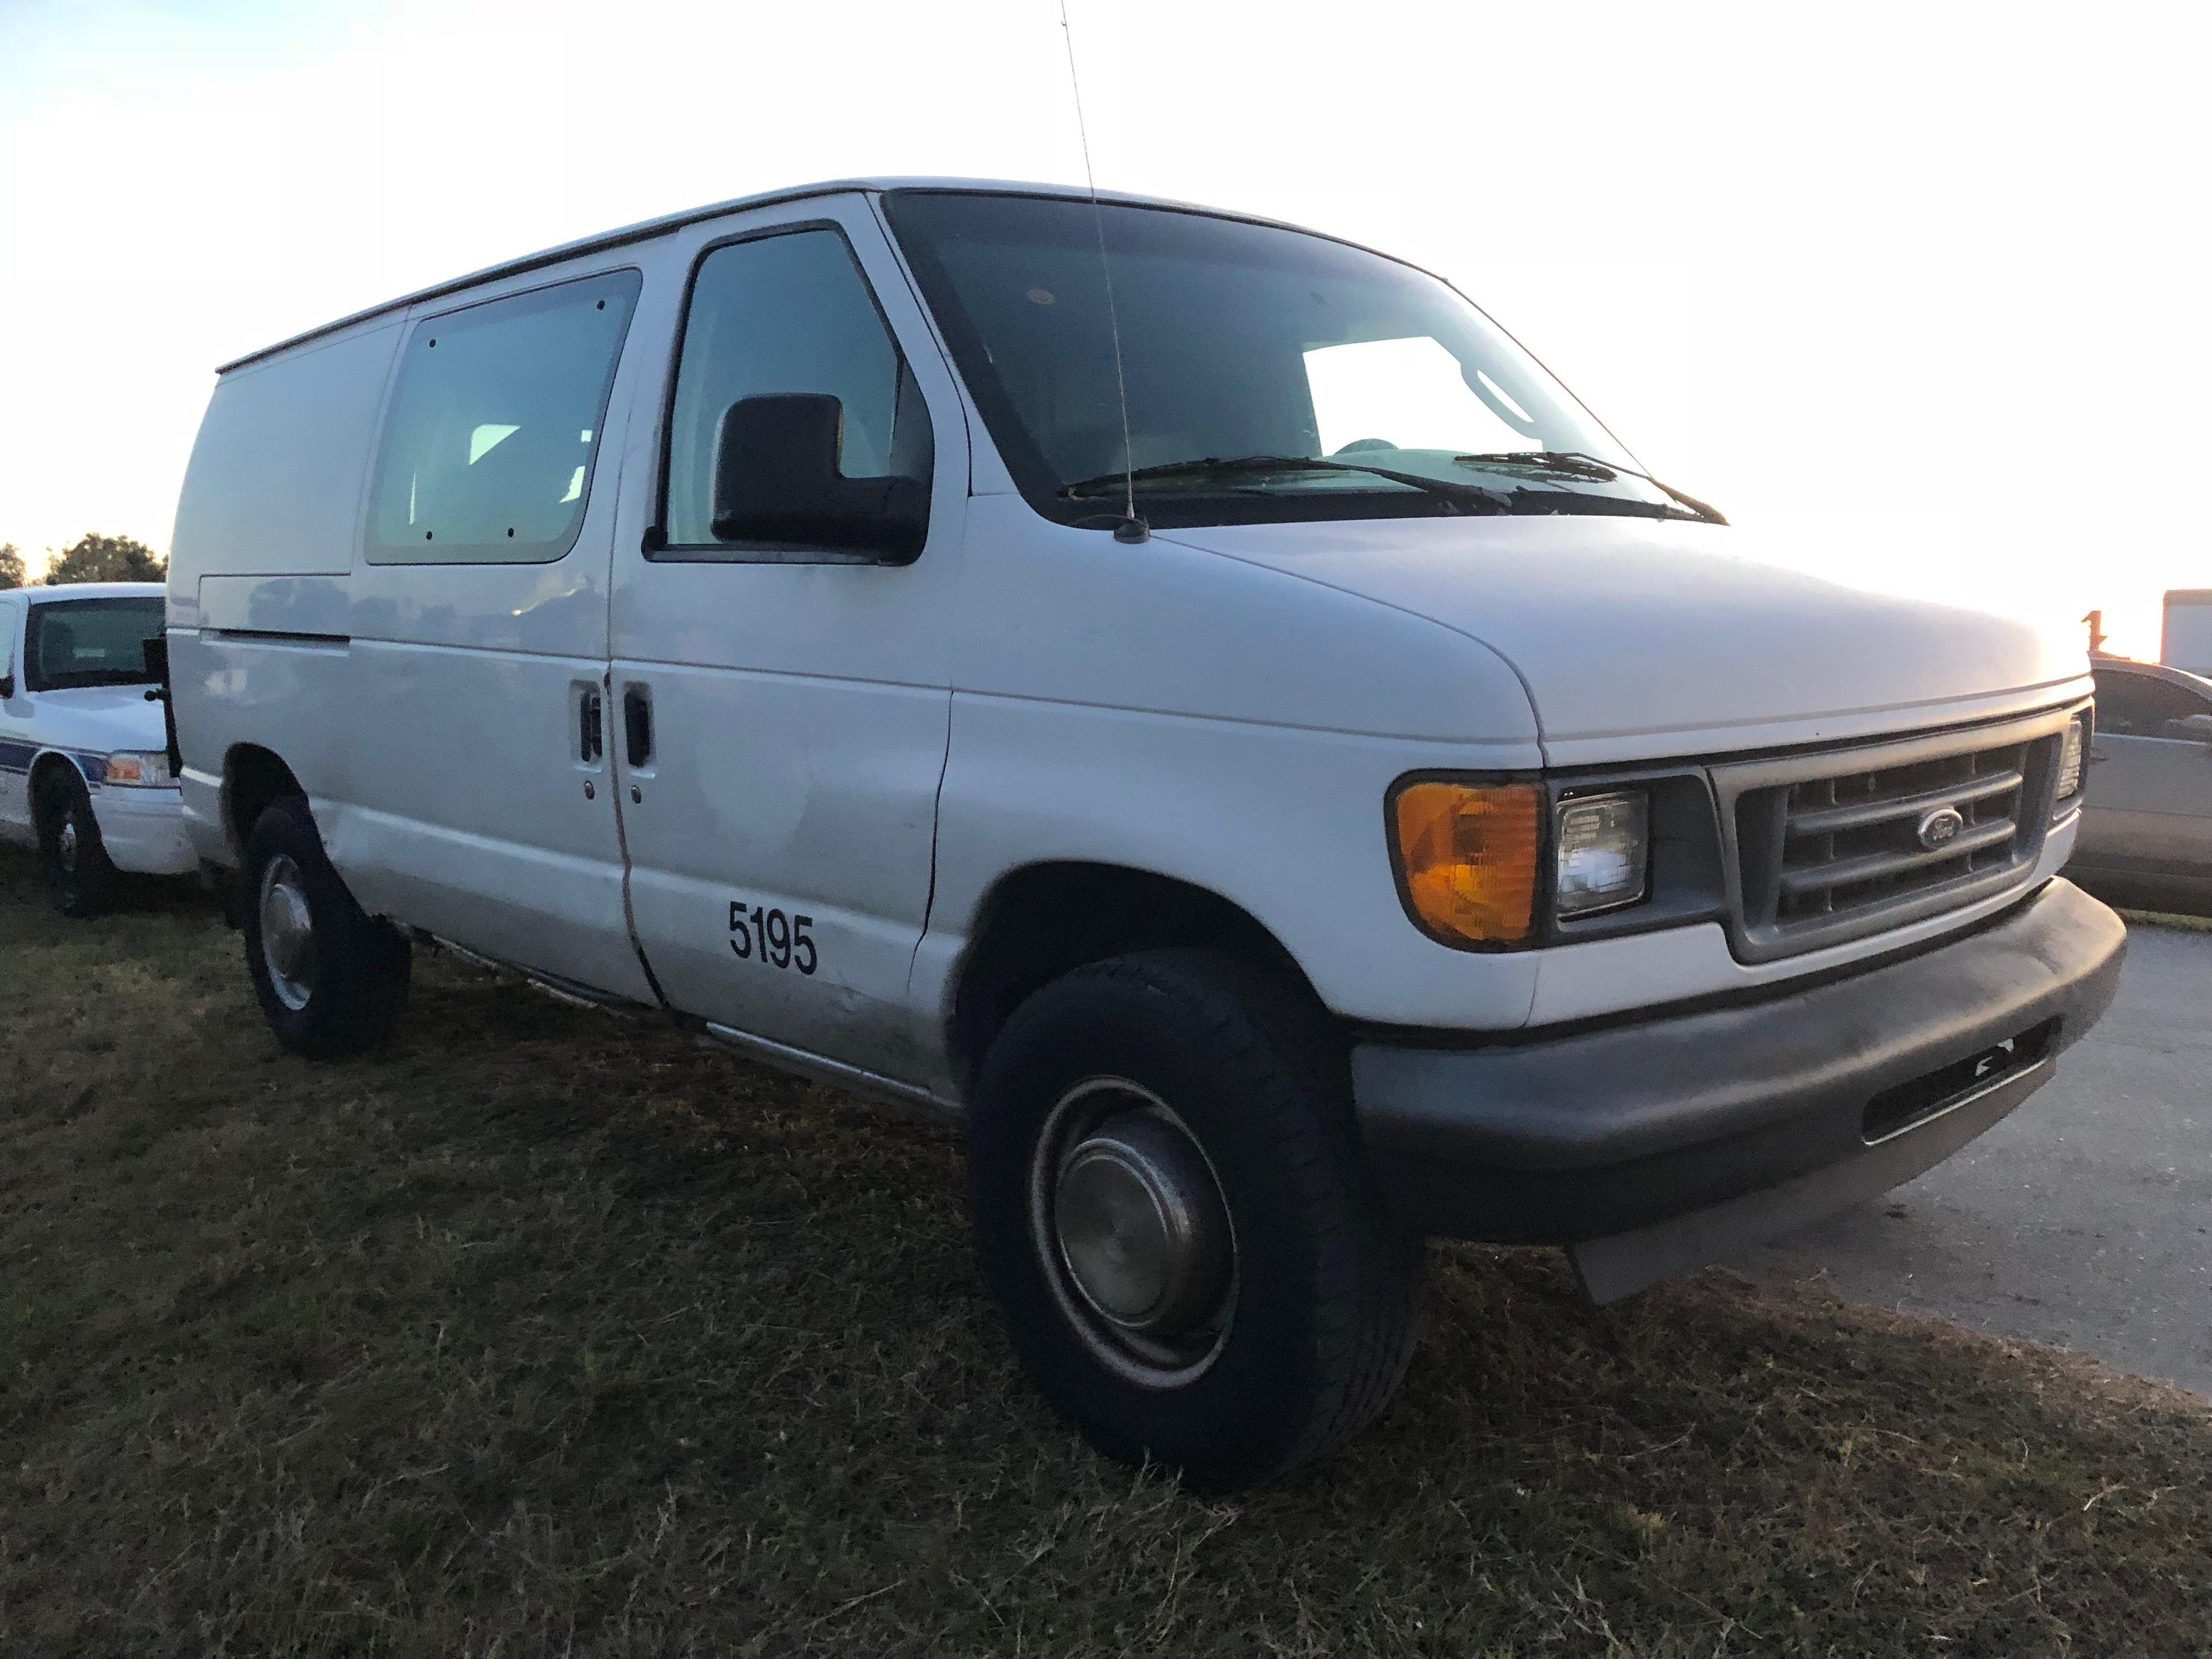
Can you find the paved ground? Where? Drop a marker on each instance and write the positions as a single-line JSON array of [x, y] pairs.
[[2085, 1217]]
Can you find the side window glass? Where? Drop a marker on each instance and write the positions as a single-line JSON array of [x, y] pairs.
[[788, 319], [2116, 711], [494, 425], [2137, 706]]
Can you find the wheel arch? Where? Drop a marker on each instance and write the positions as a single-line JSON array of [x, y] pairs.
[[253, 777], [1040, 921], [49, 764]]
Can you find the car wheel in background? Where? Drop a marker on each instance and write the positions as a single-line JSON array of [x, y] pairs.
[[1172, 1210], [80, 878], [331, 978]]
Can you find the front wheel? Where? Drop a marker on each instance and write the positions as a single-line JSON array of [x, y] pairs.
[[81, 878], [1174, 1215], [331, 979]]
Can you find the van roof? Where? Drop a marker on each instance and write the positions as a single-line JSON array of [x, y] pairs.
[[646, 228]]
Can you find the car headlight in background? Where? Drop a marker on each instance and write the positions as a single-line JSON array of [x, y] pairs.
[[1604, 852], [1467, 856], [2069, 758], [134, 768]]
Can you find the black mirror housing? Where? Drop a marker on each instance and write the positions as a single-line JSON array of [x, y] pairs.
[[777, 481]]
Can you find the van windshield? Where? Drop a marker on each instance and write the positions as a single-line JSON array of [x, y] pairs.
[[1246, 350], [78, 642]]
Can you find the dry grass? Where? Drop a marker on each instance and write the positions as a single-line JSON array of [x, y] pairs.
[[543, 1332], [2168, 919]]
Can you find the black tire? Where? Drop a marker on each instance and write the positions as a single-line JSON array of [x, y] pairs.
[[81, 880], [331, 978], [1321, 1303]]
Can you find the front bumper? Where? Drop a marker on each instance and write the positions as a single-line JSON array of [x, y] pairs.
[[1657, 1147], [144, 831]]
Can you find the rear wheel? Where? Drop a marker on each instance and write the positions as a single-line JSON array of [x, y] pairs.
[[81, 880], [331, 978], [1173, 1212]]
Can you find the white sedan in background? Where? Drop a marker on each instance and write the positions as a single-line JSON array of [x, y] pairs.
[[84, 764]]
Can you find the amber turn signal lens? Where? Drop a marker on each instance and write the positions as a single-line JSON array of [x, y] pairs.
[[1468, 852]]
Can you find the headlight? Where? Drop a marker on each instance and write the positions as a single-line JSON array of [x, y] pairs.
[[2070, 757], [1605, 852], [1466, 859], [136, 769]]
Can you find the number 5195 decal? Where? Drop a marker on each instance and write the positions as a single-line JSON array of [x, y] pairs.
[[771, 937]]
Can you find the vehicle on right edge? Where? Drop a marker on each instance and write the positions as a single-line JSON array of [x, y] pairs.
[[2147, 826], [1187, 696]]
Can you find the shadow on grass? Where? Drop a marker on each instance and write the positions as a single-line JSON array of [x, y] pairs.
[[546, 1331]]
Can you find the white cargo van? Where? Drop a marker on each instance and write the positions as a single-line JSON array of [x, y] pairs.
[[1188, 695]]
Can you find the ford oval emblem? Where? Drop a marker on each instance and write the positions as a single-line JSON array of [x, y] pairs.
[[1940, 828]]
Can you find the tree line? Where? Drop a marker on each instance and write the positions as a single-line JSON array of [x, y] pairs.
[[91, 558]]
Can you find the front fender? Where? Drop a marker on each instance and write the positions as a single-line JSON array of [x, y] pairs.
[[1286, 824]]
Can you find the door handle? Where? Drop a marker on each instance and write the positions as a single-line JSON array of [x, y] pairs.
[[591, 726], [637, 724]]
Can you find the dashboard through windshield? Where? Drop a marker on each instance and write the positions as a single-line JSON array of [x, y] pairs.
[[1272, 374]]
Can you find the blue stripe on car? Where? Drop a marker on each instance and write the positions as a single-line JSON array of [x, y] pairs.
[[18, 757]]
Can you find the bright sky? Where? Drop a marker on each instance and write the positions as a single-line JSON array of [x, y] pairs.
[[1916, 292]]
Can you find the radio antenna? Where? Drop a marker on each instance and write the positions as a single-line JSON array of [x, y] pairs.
[[1132, 528]]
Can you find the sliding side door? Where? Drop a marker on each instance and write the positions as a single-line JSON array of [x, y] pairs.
[[478, 800]]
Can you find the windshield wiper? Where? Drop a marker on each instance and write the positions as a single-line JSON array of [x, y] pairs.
[[1242, 466], [1572, 463]]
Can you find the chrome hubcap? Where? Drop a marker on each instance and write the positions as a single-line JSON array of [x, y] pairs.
[[1135, 1232], [65, 844], [288, 933]]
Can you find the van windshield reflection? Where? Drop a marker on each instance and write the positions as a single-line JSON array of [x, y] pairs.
[[1270, 373]]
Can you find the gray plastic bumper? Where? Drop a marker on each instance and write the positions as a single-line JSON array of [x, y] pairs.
[[1657, 1147]]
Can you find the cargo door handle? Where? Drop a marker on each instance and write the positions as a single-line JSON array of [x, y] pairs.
[[591, 717], [637, 724]]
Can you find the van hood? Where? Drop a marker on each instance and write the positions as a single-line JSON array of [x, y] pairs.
[[1643, 639]]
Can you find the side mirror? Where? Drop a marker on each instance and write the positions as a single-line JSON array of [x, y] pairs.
[[777, 481], [7, 625]]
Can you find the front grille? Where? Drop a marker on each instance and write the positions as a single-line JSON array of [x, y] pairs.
[[1828, 848], [1854, 841]]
